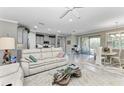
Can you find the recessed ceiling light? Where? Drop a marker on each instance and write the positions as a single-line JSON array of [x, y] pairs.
[[118, 35], [59, 31], [70, 20], [49, 29], [112, 36], [35, 27]]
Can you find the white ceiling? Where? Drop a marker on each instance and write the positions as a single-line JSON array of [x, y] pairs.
[[91, 18]]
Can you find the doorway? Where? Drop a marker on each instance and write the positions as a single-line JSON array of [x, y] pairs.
[[89, 44], [94, 43]]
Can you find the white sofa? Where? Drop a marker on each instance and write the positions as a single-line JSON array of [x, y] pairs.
[[11, 74], [47, 59]]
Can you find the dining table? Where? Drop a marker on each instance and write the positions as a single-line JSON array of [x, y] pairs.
[[108, 56]]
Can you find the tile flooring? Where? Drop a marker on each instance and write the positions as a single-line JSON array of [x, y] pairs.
[[92, 75]]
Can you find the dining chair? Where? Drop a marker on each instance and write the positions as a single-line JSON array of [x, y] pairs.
[[99, 57], [106, 50], [117, 56], [121, 57]]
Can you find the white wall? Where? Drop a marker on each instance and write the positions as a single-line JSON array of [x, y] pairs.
[[8, 29], [62, 42], [73, 40], [32, 40]]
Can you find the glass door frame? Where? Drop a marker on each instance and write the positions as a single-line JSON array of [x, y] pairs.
[[93, 36]]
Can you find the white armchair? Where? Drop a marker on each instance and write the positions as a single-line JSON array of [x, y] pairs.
[[11, 74]]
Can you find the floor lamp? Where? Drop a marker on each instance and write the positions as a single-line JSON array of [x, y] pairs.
[[7, 43]]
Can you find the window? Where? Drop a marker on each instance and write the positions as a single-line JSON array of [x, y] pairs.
[[94, 43], [116, 40], [122, 40]]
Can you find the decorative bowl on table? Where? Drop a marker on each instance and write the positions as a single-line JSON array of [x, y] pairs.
[[63, 76], [106, 50]]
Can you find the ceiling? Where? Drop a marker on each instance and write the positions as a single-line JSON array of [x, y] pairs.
[[91, 18]]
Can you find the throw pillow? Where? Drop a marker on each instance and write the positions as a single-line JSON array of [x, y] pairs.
[[60, 55], [33, 58]]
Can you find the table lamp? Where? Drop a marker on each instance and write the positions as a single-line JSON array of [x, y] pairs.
[[7, 43]]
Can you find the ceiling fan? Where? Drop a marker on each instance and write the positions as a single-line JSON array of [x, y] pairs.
[[71, 10]]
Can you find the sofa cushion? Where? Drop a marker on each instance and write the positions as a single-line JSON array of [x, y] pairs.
[[43, 61], [61, 59], [46, 50], [34, 52], [56, 51], [45, 64], [46, 53], [61, 55], [26, 51], [47, 67]]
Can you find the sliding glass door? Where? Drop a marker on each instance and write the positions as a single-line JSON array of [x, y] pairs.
[[85, 45], [94, 43], [89, 44]]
